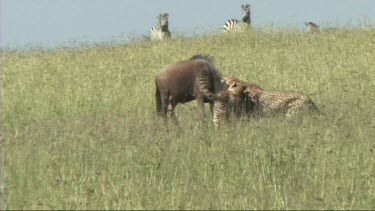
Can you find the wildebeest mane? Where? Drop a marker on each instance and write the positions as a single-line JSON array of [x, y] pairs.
[[214, 76], [208, 58]]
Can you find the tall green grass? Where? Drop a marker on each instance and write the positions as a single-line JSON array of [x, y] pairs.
[[81, 130]]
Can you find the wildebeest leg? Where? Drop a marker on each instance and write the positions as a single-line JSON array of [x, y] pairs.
[[158, 101], [211, 107], [172, 112], [164, 105]]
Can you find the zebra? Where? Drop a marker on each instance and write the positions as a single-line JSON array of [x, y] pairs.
[[233, 25], [161, 31], [312, 27]]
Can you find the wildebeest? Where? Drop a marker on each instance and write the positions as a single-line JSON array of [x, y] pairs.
[[312, 27], [185, 81]]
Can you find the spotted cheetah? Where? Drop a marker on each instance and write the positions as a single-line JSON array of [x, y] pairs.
[[229, 102], [287, 102], [232, 82], [232, 101]]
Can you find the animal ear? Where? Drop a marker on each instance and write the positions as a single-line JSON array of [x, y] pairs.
[[166, 15]]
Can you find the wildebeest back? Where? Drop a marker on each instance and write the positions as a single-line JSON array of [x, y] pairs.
[[179, 80]]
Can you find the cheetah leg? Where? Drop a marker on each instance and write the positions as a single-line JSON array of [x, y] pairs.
[[211, 107], [221, 113], [216, 115], [217, 119], [294, 108]]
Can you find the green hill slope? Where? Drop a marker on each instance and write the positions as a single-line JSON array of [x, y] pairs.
[[81, 132]]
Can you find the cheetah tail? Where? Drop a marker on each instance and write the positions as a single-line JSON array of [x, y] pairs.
[[315, 109]]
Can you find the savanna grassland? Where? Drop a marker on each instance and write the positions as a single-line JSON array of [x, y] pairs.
[[80, 130]]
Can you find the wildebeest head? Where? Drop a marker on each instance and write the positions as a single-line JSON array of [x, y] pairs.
[[238, 97], [252, 92], [240, 89]]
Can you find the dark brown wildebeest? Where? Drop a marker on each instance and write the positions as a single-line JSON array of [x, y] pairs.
[[185, 81], [312, 27]]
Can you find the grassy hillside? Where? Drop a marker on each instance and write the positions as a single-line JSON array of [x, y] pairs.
[[81, 133]]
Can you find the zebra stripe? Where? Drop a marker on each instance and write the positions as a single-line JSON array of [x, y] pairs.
[[161, 31], [157, 34], [234, 25]]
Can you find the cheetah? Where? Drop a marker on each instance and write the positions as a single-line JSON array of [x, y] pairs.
[[247, 106], [233, 100], [229, 102], [287, 102]]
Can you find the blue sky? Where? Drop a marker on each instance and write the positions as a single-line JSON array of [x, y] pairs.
[[54, 22]]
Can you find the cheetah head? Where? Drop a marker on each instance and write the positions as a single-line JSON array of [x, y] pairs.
[[230, 81]]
